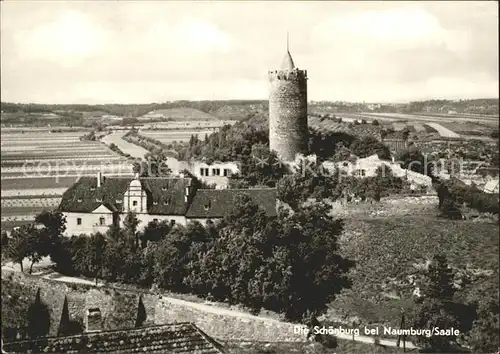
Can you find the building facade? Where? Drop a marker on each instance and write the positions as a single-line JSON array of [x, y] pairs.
[[288, 129], [94, 204], [368, 166]]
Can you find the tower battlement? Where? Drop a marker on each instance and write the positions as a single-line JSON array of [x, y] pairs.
[[287, 75]]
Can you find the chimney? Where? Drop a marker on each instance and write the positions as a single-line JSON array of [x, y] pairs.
[[93, 320], [137, 175], [99, 179]]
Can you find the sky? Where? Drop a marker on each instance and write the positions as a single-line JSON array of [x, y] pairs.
[[143, 52]]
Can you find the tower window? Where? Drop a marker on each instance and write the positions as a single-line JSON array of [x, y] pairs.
[[79, 221], [134, 203], [102, 221]]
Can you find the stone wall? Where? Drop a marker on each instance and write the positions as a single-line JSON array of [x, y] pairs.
[[288, 130], [119, 310]]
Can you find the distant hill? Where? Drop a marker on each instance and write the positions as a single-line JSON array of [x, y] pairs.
[[181, 113], [240, 111], [482, 106], [73, 114]]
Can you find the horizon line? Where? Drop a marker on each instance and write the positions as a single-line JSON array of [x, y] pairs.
[[252, 99]]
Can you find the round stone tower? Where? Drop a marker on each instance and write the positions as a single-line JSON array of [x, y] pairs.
[[288, 131]]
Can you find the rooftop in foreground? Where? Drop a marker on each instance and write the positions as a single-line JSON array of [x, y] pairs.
[[168, 338]]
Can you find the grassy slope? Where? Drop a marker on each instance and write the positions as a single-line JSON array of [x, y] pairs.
[[386, 247]]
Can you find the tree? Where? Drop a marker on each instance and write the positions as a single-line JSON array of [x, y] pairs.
[[18, 247], [154, 231], [54, 226], [38, 318], [450, 210], [5, 240], [412, 159], [405, 133], [436, 307], [484, 336], [141, 313], [27, 242], [64, 324], [261, 167], [95, 252], [301, 186], [170, 260], [369, 146], [319, 271], [154, 165], [53, 221], [130, 223]]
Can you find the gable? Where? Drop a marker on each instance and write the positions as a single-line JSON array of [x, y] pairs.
[[102, 210], [165, 196]]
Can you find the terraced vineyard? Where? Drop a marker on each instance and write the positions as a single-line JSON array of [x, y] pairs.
[[39, 165], [330, 125]]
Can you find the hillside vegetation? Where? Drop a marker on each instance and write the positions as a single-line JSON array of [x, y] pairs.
[[182, 113], [389, 250], [243, 109]]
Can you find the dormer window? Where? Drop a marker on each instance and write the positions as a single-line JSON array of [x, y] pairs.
[[80, 200], [99, 200], [164, 188], [166, 202], [118, 201], [155, 203], [92, 188], [208, 205]]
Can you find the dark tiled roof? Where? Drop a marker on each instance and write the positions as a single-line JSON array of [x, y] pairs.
[[165, 195], [170, 338], [218, 203], [395, 135]]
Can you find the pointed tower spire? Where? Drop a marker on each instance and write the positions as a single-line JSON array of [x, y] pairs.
[[287, 63]]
